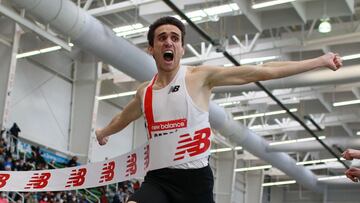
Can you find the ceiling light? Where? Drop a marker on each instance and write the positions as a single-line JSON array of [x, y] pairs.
[[279, 183], [123, 94], [36, 52], [127, 30], [332, 177], [128, 27], [218, 10], [194, 19], [350, 57], [26, 54], [226, 149], [254, 60], [197, 13], [195, 16], [263, 114], [318, 161], [234, 6], [123, 28], [297, 140], [253, 168], [325, 26], [50, 49], [298, 163], [220, 150], [209, 13], [179, 18], [229, 103], [358, 133], [238, 148], [270, 3], [132, 32], [344, 103], [137, 26]]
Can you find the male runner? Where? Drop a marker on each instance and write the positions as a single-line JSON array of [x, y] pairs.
[[183, 93]]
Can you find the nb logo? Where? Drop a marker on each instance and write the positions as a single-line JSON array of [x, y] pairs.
[[38, 181], [174, 88], [193, 146], [77, 177], [3, 179], [107, 173], [131, 165]]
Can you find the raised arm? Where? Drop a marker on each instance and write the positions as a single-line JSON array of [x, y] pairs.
[[131, 112], [220, 76]]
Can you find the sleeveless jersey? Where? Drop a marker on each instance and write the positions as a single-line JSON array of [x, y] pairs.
[[172, 108]]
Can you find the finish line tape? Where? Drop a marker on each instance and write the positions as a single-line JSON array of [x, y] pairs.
[[162, 151]]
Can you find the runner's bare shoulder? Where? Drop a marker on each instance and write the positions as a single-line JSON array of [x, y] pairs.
[[141, 88]]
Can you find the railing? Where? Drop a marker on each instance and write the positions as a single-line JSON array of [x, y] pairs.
[[93, 195], [8, 137], [12, 199]]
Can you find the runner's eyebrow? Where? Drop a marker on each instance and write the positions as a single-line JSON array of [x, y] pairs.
[[163, 33]]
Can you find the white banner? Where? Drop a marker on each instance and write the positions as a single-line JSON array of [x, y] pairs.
[[161, 151]]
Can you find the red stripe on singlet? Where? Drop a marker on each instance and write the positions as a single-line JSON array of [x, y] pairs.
[[148, 106], [158, 126]]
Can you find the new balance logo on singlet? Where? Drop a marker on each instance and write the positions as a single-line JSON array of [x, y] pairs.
[[174, 88]]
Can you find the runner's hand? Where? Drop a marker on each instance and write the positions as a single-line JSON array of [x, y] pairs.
[[332, 60], [350, 154], [100, 138]]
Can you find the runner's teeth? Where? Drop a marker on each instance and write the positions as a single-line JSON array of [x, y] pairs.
[[168, 55]]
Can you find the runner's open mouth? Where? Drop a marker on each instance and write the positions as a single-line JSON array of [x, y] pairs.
[[168, 56]]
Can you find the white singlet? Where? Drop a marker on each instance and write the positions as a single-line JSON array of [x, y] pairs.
[[173, 107]]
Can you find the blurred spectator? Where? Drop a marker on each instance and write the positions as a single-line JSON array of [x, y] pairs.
[[2, 132], [30, 197], [103, 198], [36, 157], [116, 199], [14, 130], [72, 162], [2, 159], [3, 198], [122, 194], [8, 165], [17, 166], [136, 185], [2, 143], [70, 197], [45, 199]]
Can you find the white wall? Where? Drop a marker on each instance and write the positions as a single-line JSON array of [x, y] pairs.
[[41, 105], [239, 189], [6, 31], [118, 143]]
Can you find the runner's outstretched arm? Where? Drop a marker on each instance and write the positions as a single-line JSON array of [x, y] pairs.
[[219, 76]]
